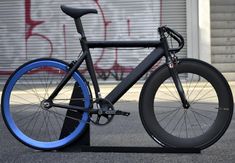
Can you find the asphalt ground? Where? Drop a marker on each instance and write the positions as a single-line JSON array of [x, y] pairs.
[[122, 131]]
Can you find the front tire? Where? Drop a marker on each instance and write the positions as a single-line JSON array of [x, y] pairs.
[[199, 126]]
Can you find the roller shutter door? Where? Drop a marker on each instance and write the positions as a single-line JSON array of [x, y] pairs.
[[33, 29], [174, 16], [223, 36]]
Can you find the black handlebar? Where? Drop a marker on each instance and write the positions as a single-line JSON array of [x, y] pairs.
[[176, 36]]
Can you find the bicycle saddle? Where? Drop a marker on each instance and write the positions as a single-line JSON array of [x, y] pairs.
[[75, 12]]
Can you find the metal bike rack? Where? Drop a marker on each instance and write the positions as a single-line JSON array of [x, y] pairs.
[[83, 143]]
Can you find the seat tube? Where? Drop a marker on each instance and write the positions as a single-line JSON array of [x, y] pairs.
[[91, 70], [88, 59]]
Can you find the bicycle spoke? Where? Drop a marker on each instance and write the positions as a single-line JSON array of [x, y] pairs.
[[181, 126], [70, 99], [191, 124], [165, 99], [187, 92], [199, 109], [197, 122], [177, 123], [168, 115], [21, 103], [41, 126], [185, 124], [170, 91], [171, 118], [26, 91], [168, 94], [193, 89], [53, 130], [34, 89], [203, 99], [22, 110], [65, 91], [21, 98], [201, 115], [56, 118], [48, 123], [35, 122], [25, 118], [200, 92], [167, 111]]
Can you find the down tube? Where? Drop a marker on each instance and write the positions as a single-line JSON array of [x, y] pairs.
[[135, 75]]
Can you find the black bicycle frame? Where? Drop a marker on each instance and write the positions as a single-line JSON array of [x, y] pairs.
[[160, 49]]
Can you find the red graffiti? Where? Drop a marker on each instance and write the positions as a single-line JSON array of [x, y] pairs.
[[116, 70], [30, 25]]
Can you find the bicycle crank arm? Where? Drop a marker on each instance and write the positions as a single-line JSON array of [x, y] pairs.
[[116, 112], [119, 112]]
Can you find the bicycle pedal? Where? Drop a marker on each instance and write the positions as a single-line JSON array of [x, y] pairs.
[[119, 112]]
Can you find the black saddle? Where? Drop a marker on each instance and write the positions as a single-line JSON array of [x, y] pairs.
[[75, 12]]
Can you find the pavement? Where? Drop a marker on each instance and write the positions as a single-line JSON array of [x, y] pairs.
[[123, 131]]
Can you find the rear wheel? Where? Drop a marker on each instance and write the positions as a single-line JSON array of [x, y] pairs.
[[199, 126], [23, 110]]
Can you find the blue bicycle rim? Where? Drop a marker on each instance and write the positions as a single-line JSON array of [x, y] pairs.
[[20, 135]]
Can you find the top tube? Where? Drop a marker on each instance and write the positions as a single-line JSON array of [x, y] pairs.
[[124, 44]]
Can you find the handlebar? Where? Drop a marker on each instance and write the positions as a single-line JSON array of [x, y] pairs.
[[175, 35]]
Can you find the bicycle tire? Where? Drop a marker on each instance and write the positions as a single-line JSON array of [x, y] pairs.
[[191, 128], [24, 90]]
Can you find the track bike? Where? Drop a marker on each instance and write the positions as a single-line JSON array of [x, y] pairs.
[[183, 103]]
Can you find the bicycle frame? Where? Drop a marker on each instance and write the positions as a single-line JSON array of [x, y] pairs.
[[161, 49]]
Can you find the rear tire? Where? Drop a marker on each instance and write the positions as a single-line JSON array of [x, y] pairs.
[[199, 126], [22, 104]]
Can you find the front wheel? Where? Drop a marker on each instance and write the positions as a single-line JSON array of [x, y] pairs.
[[199, 126], [22, 104]]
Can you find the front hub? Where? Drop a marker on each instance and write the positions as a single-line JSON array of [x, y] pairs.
[[186, 105]]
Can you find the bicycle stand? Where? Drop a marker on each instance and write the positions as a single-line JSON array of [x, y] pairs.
[[83, 143]]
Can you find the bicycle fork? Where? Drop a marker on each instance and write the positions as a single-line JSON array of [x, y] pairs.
[[177, 82]]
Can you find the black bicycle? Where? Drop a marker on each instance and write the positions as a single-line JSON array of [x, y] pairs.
[[183, 103]]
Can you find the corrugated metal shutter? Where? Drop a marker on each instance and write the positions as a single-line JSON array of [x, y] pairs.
[[33, 29], [174, 16], [223, 36]]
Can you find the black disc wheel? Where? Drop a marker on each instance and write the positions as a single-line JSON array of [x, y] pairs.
[[200, 125]]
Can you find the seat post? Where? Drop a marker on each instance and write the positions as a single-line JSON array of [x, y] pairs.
[[79, 27]]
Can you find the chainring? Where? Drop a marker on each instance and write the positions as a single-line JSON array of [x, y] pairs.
[[101, 118]]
